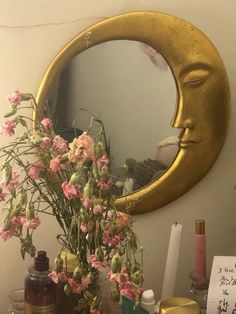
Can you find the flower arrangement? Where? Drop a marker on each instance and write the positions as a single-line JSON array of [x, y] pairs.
[[72, 182]]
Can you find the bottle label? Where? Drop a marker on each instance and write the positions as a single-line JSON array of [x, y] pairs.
[[40, 309]]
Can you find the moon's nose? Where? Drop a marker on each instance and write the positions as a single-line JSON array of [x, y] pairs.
[[183, 123], [182, 119]]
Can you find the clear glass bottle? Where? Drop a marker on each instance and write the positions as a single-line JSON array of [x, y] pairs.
[[40, 291]]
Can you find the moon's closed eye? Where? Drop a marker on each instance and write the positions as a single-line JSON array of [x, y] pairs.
[[196, 77]]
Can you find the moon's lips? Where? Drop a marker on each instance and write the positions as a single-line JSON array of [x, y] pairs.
[[185, 144]]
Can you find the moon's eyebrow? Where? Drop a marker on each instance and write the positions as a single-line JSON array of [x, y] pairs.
[[195, 72]]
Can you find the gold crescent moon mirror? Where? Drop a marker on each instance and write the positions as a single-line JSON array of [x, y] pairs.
[[201, 113]]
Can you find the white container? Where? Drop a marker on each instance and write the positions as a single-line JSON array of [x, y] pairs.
[[148, 301]]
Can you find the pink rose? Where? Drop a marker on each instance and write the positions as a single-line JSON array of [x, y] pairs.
[[111, 240], [14, 182], [58, 277], [46, 142], [70, 191], [2, 194], [77, 287], [46, 124], [118, 277], [81, 149], [17, 221], [8, 127], [88, 203], [35, 170], [29, 223], [104, 184], [7, 234], [32, 223], [130, 290], [15, 97], [54, 276], [55, 164], [102, 161], [60, 145], [86, 227], [122, 219], [97, 210], [96, 264]]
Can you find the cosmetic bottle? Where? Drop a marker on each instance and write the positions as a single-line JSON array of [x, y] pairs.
[[40, 291], [148, 301], [199, 279], [200, 252]]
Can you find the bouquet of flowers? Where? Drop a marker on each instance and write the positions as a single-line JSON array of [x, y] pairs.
[[72, 182]]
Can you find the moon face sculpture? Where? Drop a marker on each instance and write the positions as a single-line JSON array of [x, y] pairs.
[[203, 104]]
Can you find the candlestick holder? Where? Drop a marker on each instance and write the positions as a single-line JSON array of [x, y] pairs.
[[199, 291]]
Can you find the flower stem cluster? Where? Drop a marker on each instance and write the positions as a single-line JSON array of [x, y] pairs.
[[72, 182]]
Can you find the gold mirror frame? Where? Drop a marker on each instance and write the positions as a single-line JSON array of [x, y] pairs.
[[203, 104]]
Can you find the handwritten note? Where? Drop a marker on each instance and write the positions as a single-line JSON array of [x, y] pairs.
[[222, 289]]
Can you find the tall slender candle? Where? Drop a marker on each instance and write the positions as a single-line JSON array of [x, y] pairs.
[[200, 252], [168, 286]]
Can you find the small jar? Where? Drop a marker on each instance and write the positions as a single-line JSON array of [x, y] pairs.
[[16, 300]]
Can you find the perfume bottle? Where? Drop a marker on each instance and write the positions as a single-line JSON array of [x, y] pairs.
[[40, 291]]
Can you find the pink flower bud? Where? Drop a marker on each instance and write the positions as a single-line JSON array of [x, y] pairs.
[[8, 127], [46, 124], [14, 97]]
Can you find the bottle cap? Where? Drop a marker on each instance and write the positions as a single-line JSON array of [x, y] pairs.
[[148, 297], [199, 226], [41, 261]]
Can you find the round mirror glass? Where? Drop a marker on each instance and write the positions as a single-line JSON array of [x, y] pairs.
[[129, 86]]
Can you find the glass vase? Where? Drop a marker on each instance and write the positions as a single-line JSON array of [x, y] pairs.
[[199, 291], [67, 304]]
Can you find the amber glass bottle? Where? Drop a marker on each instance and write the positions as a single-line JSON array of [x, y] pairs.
[[40, 291]]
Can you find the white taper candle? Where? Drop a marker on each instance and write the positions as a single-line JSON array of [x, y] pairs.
[[168, 286]]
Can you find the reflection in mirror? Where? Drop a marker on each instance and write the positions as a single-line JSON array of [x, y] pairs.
[[130, 87]]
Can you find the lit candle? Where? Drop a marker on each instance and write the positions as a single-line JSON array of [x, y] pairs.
[[168, 286]]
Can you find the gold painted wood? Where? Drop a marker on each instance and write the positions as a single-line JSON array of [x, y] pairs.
[[203, 104], [178, 305]]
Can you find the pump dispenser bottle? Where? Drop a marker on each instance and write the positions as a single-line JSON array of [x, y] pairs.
[[40, 291]]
